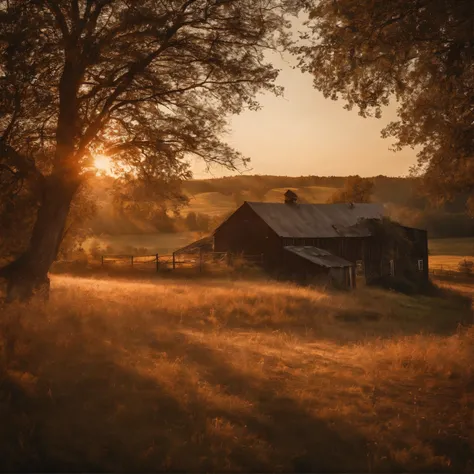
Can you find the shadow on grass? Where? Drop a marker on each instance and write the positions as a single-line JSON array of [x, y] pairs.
[[69, 405], [73, 399], [76, 396]]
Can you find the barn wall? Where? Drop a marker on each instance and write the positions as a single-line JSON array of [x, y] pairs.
[[245, 232], [377, 256], [419, 239]]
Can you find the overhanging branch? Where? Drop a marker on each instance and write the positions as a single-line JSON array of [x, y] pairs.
[[25, 166]]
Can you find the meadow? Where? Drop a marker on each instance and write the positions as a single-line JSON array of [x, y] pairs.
[[236, 375], [445, 254]]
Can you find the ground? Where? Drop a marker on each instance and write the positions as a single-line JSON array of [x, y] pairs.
[[221, 375]]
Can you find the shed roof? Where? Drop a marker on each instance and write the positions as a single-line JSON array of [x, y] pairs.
[[318, 256], [317, 220]]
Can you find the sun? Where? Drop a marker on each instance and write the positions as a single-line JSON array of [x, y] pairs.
[[103, 164]]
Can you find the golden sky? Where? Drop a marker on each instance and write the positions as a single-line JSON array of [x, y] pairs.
[[303, 133]]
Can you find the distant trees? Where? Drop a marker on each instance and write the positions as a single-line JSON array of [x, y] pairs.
[[238, 198], [197, 222], [356, 189], [420, 53]]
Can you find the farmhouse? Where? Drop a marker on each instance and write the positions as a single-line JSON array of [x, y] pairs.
[[324, 241]]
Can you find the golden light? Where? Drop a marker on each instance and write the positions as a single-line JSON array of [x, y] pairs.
[[103, 164]]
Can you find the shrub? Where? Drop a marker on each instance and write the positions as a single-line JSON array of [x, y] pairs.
[[466, 267]]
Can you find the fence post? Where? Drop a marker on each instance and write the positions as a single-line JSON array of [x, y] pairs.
[[102, 260], [131, 260], [157, 262], [174, 262]]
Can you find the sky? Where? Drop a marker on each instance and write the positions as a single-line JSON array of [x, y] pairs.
[[303, 133]]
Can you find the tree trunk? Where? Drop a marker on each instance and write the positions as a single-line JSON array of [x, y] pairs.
[[28, 275]]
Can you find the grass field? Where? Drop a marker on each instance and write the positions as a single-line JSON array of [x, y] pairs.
[[235, 376], [162, 243], [447, 253]]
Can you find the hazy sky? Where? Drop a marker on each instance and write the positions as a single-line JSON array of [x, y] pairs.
[[303, 133]]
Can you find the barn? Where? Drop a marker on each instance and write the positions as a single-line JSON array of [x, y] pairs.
[[319, 241]]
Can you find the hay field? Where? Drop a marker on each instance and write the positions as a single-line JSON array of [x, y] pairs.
[[221, 375], [446, 254]]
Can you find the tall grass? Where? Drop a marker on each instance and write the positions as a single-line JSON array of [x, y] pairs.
[[216, 375]]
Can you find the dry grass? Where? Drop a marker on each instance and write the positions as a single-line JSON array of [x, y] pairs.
[[236, 376]]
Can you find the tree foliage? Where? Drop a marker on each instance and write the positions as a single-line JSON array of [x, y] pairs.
[[419, 52], [149, 84], [356, 189]]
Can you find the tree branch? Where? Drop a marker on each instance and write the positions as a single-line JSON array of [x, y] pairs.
[[123, 83], [25, 166], [59, 17]]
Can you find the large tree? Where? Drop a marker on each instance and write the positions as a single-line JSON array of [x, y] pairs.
[[149, 83], [418, 52]]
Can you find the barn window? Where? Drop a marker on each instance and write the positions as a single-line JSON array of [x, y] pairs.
[[420, 265], [392, 268]]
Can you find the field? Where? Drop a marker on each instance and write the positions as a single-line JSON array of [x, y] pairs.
[[221, 375], [445, 254], [162, 243]]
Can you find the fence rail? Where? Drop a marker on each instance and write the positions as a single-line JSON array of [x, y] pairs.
[[450, 270], [198, 260]]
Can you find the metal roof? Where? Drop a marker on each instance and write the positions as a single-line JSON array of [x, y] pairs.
[[319, 256], [317, 220]]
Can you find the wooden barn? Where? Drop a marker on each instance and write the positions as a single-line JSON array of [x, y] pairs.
[[319, 241]]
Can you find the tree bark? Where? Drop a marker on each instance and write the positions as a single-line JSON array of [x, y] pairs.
[[28, 275]]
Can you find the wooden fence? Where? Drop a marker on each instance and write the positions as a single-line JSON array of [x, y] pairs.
[[449, 270], [199, 260]]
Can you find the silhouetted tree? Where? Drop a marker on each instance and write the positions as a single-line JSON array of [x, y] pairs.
[[356, 189], [420, 53], [147, 83], [191, 221]]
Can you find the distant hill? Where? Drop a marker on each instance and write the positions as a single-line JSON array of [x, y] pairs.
[[213, 199]]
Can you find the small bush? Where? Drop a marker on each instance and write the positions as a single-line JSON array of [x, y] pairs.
[[466, 267], [241, 267]]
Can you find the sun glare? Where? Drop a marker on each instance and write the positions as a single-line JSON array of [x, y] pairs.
[[103, 164]]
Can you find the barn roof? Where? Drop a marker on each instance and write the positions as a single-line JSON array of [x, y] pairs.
[[317, 220], [319, 256]]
